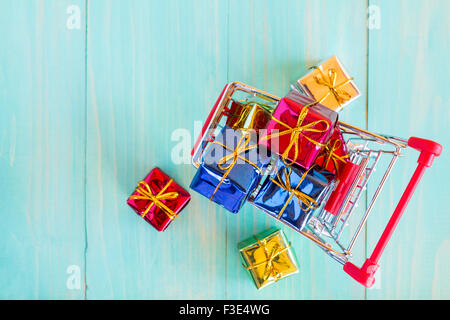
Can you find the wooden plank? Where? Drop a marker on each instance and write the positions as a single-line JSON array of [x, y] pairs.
[[42, 102], [154, 67], [409, 97], [272, 44], [148, 63]]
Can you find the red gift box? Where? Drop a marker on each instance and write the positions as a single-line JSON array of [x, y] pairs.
[[298, 132], [158, 199], [232, 113], [334, 155]]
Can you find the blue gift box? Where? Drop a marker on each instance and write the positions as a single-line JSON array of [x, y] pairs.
[[224, 176], [309, 186]]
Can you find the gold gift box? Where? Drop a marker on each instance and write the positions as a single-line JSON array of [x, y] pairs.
[[249, 115], [268, 257], [330, 84]]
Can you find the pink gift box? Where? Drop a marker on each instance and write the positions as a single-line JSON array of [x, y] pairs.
[[316, 129]]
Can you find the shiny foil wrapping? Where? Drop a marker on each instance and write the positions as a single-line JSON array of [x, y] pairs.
[[288, 111], [272, 198], [157, 180], [337, 146], [319, 91], [240, 181], [269, 259], [248, 115], [229, 195]]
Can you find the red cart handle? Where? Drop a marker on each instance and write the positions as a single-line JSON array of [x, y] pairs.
[[428, 150]]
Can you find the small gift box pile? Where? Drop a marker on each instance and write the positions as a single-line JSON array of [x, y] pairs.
[[285, 159], [297, 139], [285, 156]]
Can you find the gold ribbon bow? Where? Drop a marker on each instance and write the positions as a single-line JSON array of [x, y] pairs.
[[247, 108], [301, 197], [295, 133], [145, 193], [330, 154], [241, 147], [329, 81], [270, 268]]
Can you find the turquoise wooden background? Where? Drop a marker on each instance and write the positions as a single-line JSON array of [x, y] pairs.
[[88, 110]]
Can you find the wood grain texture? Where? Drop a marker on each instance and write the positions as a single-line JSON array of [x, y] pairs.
[[409, 97], [153, 68], [42, 140], [272, 44], [87, 113]]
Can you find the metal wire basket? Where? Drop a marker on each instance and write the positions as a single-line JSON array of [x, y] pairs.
[[368, 151]]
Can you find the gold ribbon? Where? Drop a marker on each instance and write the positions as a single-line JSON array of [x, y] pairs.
[[301, 197], [295, 133], [330, 154], [145, 193], [241, 147], [269, 260], [247, 108], [329, 81]]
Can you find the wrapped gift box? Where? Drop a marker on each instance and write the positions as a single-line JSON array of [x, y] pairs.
[[298, 130], [330, 84], [249, 115], [304, 100], [291, 193], [231, 112], [158, 199], [334, 155], [268, 257], [231, 169]]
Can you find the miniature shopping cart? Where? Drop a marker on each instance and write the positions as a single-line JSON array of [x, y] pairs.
[[368, 152]]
